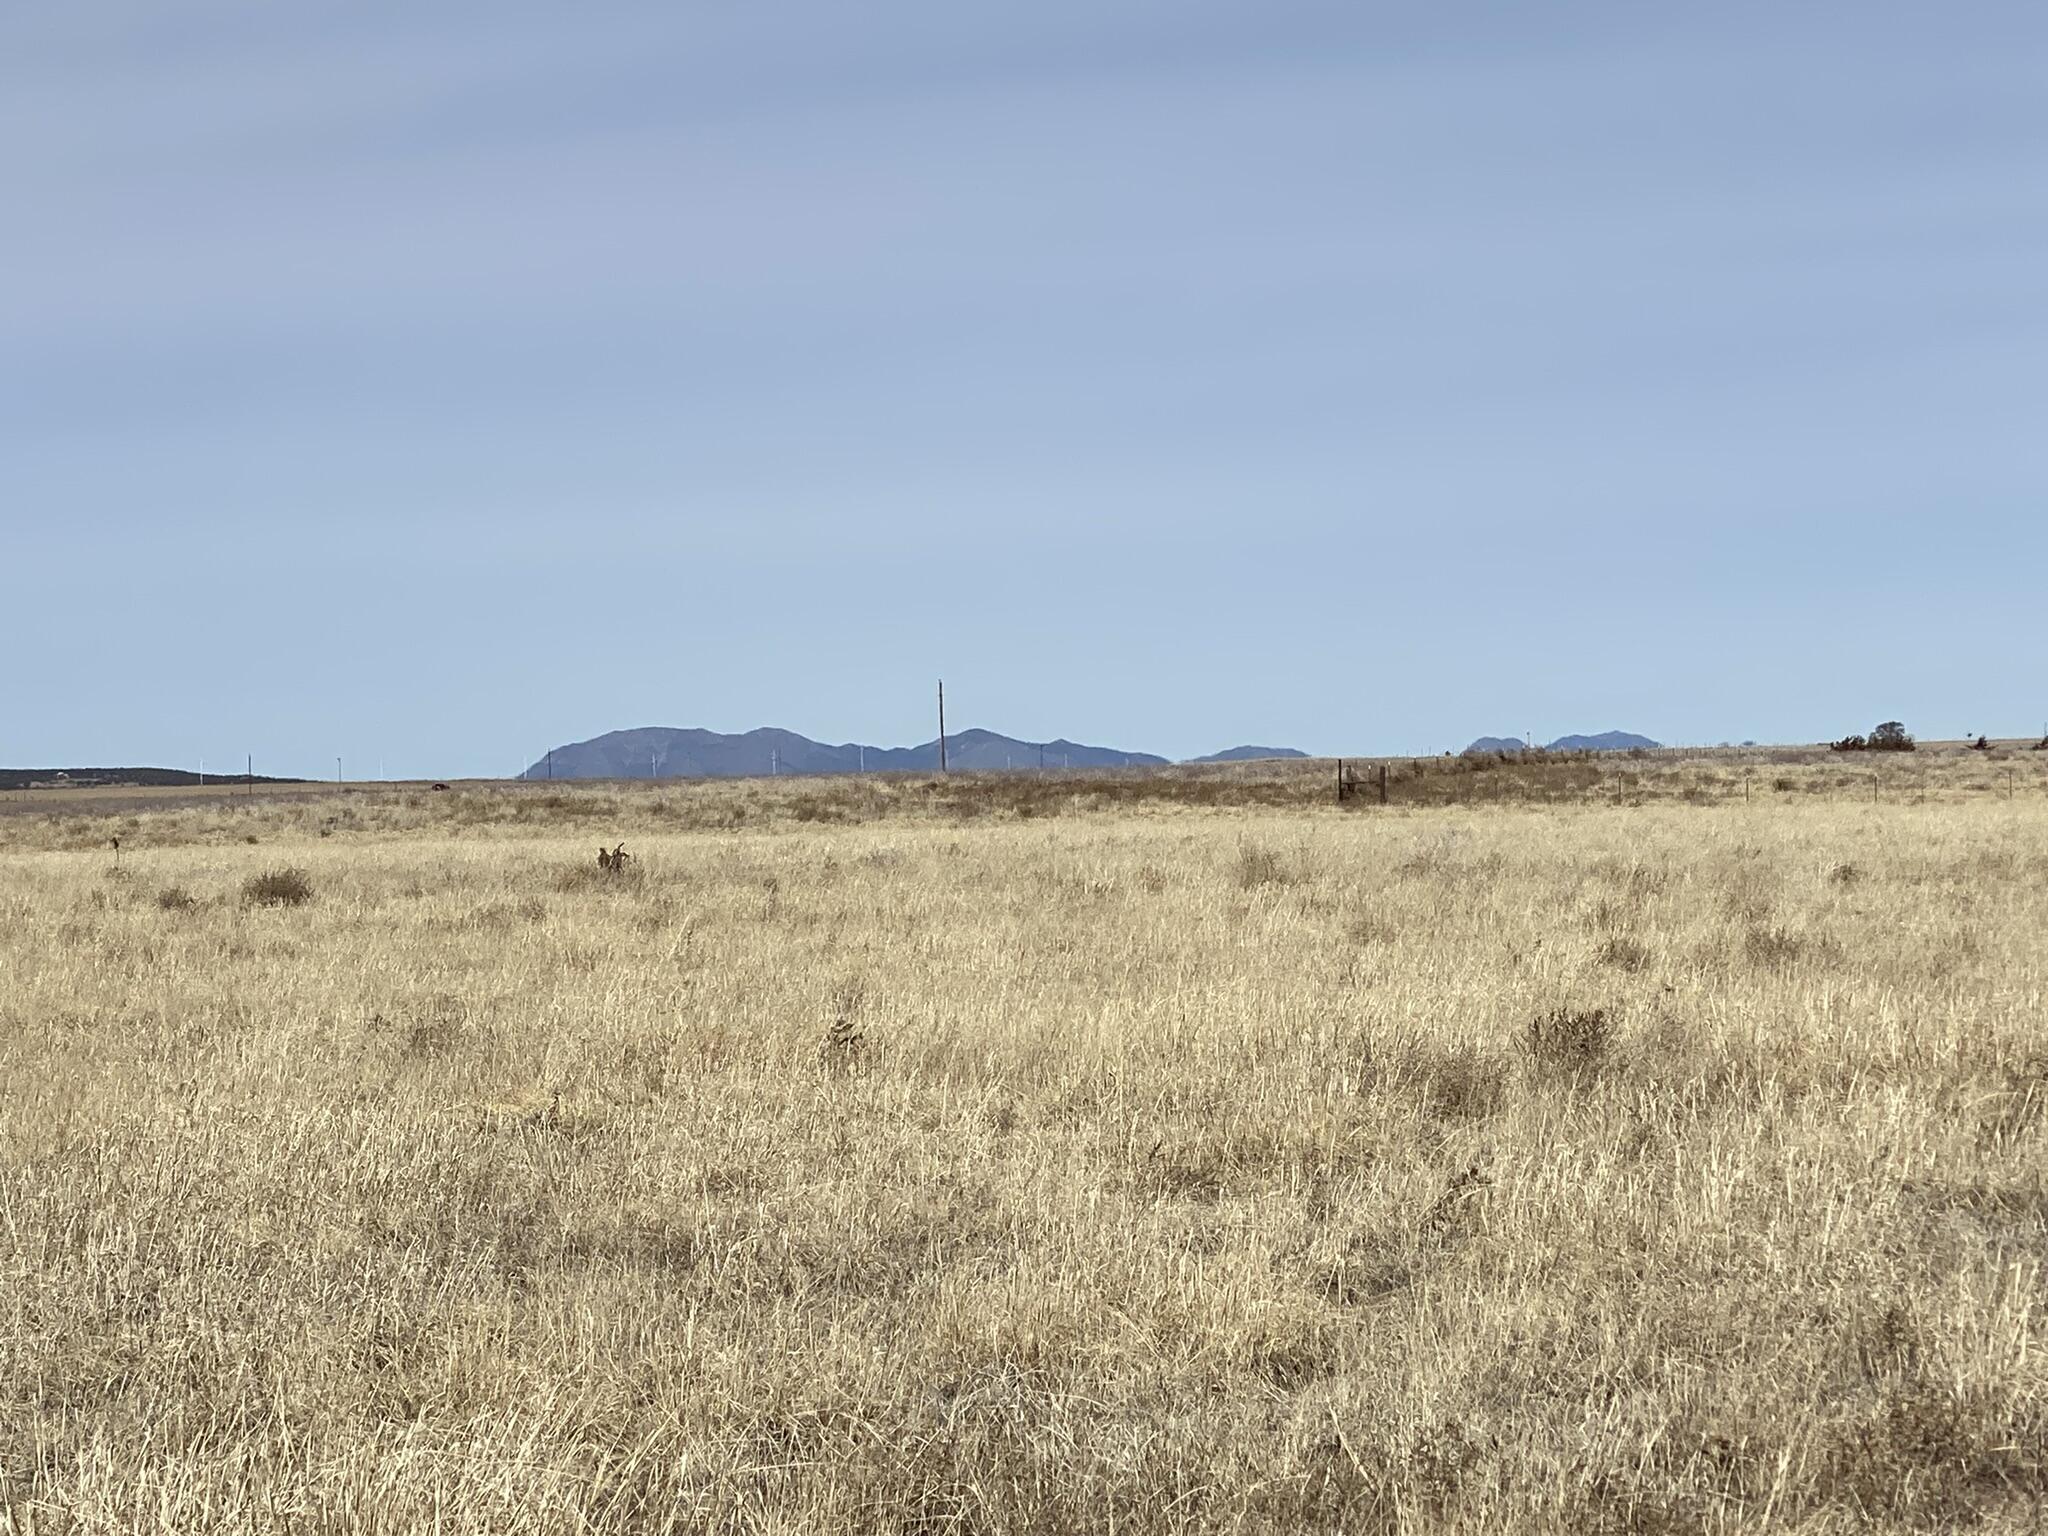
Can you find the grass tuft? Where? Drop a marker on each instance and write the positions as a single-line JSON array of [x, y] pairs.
[[1570, 1043], [288, 887], [1623, 953], [1258, 865]]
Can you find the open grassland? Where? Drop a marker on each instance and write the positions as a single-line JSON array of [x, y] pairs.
[[1560, 1152], [87, 818]]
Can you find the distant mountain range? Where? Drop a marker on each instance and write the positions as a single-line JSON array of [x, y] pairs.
[[665, 752], [1606, 741], [1248, 754]]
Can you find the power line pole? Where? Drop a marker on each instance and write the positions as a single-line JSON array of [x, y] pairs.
[[942, 725]]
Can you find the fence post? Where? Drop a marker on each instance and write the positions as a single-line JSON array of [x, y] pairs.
[[1383, 783]]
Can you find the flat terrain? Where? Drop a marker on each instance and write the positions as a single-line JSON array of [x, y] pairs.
[[101, 800], [1632, 1145]]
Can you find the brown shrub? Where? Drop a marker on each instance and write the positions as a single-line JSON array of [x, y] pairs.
[[1569, 1043], [1462, 1084], [1623, 953], [1259, 865], [289, 887]]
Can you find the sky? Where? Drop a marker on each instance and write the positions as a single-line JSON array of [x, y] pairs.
[[428, 385]]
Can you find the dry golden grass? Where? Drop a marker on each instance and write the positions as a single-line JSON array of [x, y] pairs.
[[1601, 1154]]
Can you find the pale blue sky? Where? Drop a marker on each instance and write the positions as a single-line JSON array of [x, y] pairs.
[[437, 383]]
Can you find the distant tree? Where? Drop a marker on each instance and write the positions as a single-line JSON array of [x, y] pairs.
[[1890, 737]]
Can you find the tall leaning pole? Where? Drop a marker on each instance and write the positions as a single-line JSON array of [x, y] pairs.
[[942, 725]]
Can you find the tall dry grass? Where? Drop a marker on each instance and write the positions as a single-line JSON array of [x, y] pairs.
[[1189, 1165]]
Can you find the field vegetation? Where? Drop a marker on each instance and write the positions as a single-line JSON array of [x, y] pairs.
[[1569, 1145]]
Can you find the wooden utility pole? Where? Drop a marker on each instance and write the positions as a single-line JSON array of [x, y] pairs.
[[942, 725]]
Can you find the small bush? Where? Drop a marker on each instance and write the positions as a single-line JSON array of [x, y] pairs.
[[1462, 1085], [1371, 928], [175, 898], [1772, 947], [1569, 1042], [1258, 865], [278, 888], [1624, 954], [432, 1037]]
